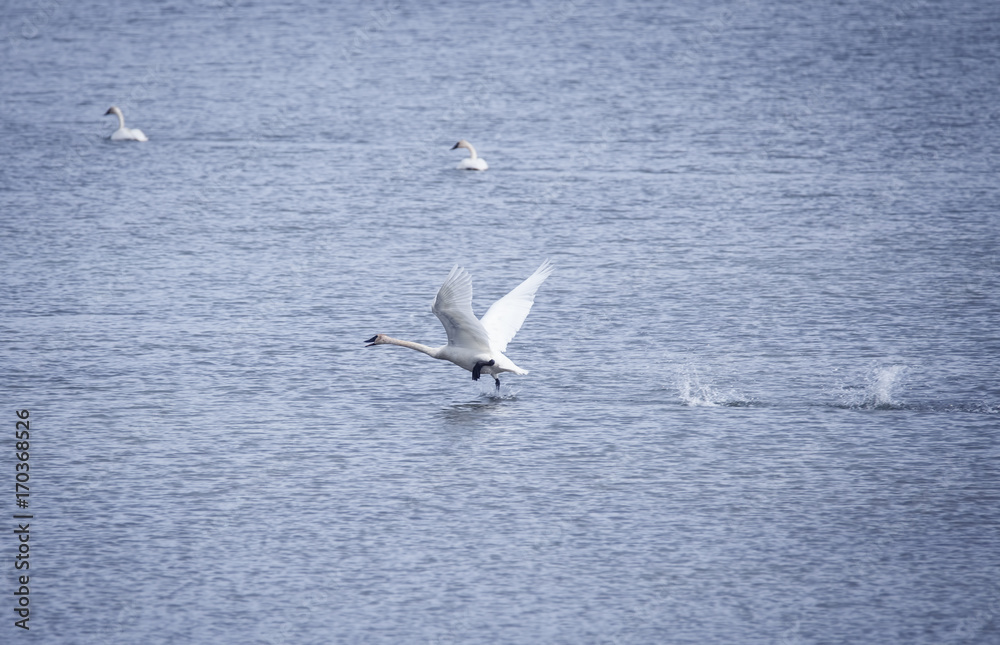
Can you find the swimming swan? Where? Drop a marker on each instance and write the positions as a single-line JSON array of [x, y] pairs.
[[123, 133], [472, 162], [477, 345]]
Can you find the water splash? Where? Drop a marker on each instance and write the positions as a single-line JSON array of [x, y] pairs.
[[487, 390], [884, 385], [694, 393], [881, 390]]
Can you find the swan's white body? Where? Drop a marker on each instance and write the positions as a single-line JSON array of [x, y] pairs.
[[474, 344], [473, 161], [123, 133]]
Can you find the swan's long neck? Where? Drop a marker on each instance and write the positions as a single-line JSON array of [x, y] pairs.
[[121, 119], [430, 351], [472, 151]]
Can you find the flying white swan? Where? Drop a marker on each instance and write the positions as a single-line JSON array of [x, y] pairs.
[[475, 344], [123, 133], [473, 161]]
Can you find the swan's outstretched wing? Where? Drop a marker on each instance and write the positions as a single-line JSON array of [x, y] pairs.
[[453, 307], [507, 314]]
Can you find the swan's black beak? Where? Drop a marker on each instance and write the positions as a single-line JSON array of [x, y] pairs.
[[108, 112], [455, 146], [371, 341]]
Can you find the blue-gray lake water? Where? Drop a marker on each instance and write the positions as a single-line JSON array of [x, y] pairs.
[[764, 394]]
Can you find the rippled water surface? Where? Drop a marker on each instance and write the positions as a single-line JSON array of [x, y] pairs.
[[764, 393]]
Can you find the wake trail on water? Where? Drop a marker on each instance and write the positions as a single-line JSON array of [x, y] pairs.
[[879, 387]]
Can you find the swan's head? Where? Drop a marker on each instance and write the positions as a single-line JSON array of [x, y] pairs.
[[113, 110], [462, 144], [377, 339]]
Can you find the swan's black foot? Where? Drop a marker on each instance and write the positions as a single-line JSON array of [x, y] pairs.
[[498, 383], [478, 368]]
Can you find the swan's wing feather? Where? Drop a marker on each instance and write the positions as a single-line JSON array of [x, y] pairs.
[[507, 314], [453, 307]]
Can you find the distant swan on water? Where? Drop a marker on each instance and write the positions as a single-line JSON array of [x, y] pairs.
[[475, 344], [473, 161], [123, 133]]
